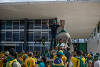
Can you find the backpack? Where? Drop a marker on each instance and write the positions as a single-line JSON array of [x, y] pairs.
[[80, 62], [13, 63]]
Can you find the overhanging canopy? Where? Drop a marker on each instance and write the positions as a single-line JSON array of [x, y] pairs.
[[81, 17]]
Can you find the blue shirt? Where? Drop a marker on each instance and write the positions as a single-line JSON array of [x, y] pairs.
[[42, 64]]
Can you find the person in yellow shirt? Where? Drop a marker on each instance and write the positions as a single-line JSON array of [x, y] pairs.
[[74, 61], [30, 62]]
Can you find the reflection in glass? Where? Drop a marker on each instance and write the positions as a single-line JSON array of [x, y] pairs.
[[37, 35], [22, 36], [2, 36], [2, 25], [15, 25], [45, 35], [15, 36], [30, 36], [9, 24], [9, 35], [21, 25]]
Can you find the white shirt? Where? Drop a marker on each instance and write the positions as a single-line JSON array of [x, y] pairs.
[[97, 63]]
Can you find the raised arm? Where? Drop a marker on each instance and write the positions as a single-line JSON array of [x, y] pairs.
[[60, 23], [47, 23]]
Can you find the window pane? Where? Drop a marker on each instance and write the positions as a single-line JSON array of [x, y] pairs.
[[2, 25], [37, 35], [19, 48], [15, 25], [37, 22], [16, 36], [9, 24], [45, 35], [9, 35], [2, 36], [44, 24], [30, 36], [21, 25], [30, 25], [22, 36], [50, 35]]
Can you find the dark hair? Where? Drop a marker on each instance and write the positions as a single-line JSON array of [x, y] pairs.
[[44, 60], [68, 48], [13, 52], [79, 53]]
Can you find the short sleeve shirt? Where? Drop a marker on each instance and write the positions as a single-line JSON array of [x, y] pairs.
[[29, 62]]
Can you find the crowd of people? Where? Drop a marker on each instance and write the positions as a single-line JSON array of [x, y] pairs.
[[60, 57]]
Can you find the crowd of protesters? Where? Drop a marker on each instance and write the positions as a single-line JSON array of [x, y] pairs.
[[61, 57]]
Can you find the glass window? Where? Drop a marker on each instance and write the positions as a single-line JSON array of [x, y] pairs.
[[30, 25], [45, 34], [15, 36], [22, 36], [21, 25], [37, 35], [19, 48], [37, 48], [2, 25], [9, 35], [2, 36], [81, 40], [44, 24], [37, 22], [49, 35], [9, 24], [30, 36], [15, 25]]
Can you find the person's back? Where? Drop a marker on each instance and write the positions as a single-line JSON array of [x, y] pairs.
[[74, 61], [42, 64], [30, 62], [12, 59], [97, 63]]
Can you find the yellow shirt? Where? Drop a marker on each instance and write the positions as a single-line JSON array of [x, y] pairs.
[[30, 62], [74, 61], [83, 59], [64, 59], [1, 63]]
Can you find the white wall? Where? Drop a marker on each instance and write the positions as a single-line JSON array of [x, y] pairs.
[[93, 45]]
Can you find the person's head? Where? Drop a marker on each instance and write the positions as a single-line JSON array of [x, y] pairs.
[[60, 54], [54, 22], [74, 54], [30, 54], [68, 48], [79, 53], [96, 57], [43, 59], [60, 41], [12, 53], [7, 53]]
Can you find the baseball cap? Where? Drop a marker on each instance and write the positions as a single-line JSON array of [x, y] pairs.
[[54, 21]]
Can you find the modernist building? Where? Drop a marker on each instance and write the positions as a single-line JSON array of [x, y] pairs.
[[23, 34]]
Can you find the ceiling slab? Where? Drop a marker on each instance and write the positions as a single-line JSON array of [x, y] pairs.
[[81, 17]]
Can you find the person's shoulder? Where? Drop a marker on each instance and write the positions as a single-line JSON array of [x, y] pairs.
[[42, 64], [16, 64]]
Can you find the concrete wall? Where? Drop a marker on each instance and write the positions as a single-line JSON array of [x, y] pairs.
[[93, 45]]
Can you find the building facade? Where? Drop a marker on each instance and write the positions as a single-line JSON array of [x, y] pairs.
[[25, 34]]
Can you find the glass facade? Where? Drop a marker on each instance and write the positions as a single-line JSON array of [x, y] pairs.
[[13, 32]]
